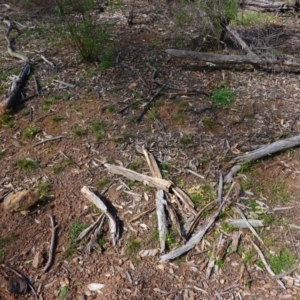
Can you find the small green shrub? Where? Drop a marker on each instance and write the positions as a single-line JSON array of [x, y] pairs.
[[282, 262], [31, 132], [57, 118], [102, 183], [75, 229], [43, 188], [97, 128], [27, 164], [223, 96], [6, 120], [132, 247]]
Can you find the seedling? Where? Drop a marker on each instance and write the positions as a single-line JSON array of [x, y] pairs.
[[31, 132], [185, 141], [57, 118], [97, 128], [27, 164], [135, 165], [111, 108], [79, 132], [282, 262], [102, 183], [43, 188], [63, 291], [132, 247], [223, 96], [208, 123], [6, 121], [2, 153]]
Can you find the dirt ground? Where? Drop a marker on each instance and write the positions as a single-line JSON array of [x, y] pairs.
[[96, 116]]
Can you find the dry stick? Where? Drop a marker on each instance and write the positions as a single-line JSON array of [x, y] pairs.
[[36, 86], [50, 140], [51, 249], [263, 151], [196, 174], [148, 211], [147, 106], [47, 61], [220, 188], [249, 225], [268, 268], [197, 219], [22, 276], [69, 158]]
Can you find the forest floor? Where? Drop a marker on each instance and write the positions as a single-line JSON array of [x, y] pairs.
[[184, 130]]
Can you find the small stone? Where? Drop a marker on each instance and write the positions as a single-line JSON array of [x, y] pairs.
[[222, 281], [20, 201], [37, 260], [161, 267]]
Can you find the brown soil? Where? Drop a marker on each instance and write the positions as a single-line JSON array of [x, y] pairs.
[[179, 134]]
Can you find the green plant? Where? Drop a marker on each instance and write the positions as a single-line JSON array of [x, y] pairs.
[[2, 153], [222, 96], [135, 165], [26, 164], [208, 123], [111, 108], [260, 264], [6, 120], [282, 262], [63, 291], [101, 241], [102, 183], [97, 128], [185, 140], [43, 188], [248, 256], [57, 118], [75, 229], [78, 131], [152, 115], [132, 247], [279, 192], [31, 132]]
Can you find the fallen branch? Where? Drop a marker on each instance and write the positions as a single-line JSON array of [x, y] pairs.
[[49, 140], [21, 79], [51, 249], [159, 183], [113, 227], [268, 268], [263, 151], [161, 219], [214, 58]]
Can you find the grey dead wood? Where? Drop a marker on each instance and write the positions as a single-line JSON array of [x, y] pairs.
[[153, 166], [52, 245], [233, 33], [49, 140], [161, 219], [159, 183], [268, 268], [21, 79], [240, 223], [266, 150], [287, 61], [195, 239], [113, 227], [269, 5]]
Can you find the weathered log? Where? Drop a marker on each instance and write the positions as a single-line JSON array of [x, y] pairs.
[[269, 6], [288, 61]]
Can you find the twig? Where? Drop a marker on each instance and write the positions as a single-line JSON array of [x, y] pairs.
[[64, 83], [286, 273], [249, 225], [50, 140], [47, 61], [268, 268], [220, 188], [148, 211], [22, 276], [68, 157], [147, 106], [196, 220], [196, 174], [36, 86], [51, 249]]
